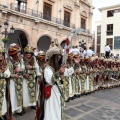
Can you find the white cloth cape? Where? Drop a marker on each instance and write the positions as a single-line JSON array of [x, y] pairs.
[[53, 104], [4, 106]]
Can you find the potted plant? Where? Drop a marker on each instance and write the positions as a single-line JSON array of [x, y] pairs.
[[5, 40]]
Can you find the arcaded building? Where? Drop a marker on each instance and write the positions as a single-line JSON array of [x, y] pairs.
[[38, 22]]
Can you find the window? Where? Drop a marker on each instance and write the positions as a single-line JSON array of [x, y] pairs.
[[98, 29], [83, 23], [110, 29], [98, 39], [110, 42], [66, 18], [47, 10], [98, 48], [21, 5], [110, 13]]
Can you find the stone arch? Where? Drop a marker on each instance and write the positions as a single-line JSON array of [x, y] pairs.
[[26, 33], [62, 44], [44, 42], [19, 37]]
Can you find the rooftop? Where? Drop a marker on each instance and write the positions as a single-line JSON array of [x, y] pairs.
[[109, 7]]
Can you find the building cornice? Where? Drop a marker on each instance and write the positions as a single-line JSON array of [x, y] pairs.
[[109, 7], [86, 2], [34, 18]]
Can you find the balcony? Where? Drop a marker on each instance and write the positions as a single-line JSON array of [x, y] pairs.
[[40, 15], [109, 32], [84, 31]]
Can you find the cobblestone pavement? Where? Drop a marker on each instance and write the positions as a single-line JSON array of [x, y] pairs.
[[102, 105]]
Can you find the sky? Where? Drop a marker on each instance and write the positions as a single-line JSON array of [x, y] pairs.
[[98, 4]]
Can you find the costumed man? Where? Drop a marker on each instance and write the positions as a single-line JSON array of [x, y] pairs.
[[17, 68], [68, 83], [31, 75], [4, 74], [40, 103], [96, 73], [90, 74], [76, 74], [54, 105], [101, 71], [87, 67], [82, 77], [115, 70], [70, 73], [118, 72]]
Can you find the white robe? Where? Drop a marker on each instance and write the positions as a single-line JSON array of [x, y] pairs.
[[53, 104], [13, 94], [26, 96], [68, 72], [4, 106]]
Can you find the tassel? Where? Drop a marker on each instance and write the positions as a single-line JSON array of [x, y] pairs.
[[67, 41]]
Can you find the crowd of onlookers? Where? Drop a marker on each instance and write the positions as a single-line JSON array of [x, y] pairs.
[[84, 52]]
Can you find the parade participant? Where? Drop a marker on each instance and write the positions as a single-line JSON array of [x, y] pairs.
[[54, 104], [98, 73], [87, 67], [106, 73], [82, 77], [101, 69], [76, 74], [69, 71], [16, 79], [115, 70], [31, 75], [95, 73], [91, 74], [40, 102], [4, 74]]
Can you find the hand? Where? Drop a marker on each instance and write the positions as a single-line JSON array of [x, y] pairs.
[[29, 67], [61, 70], [16, 76], [77, 72], [17, 70], [26, 76], [39, 81]]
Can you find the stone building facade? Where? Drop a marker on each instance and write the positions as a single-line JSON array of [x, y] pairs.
[[38, 22], [107, 30]]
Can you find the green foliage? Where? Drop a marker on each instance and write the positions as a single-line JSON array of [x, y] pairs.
[[5, 40]]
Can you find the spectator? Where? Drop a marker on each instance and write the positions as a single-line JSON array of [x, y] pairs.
[[35, 52], [75, 50], [111, 55], [84, 52], [107, 51], [118, 56], [90, 52]]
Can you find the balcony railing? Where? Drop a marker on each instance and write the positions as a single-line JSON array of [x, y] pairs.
[[85, 31], [41, 15]]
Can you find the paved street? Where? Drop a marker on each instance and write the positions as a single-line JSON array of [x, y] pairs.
[[102, 105]]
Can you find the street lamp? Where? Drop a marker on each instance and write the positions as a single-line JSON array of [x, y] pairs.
[[6, 25], [82, 44], [5, 32], [12, 29]]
